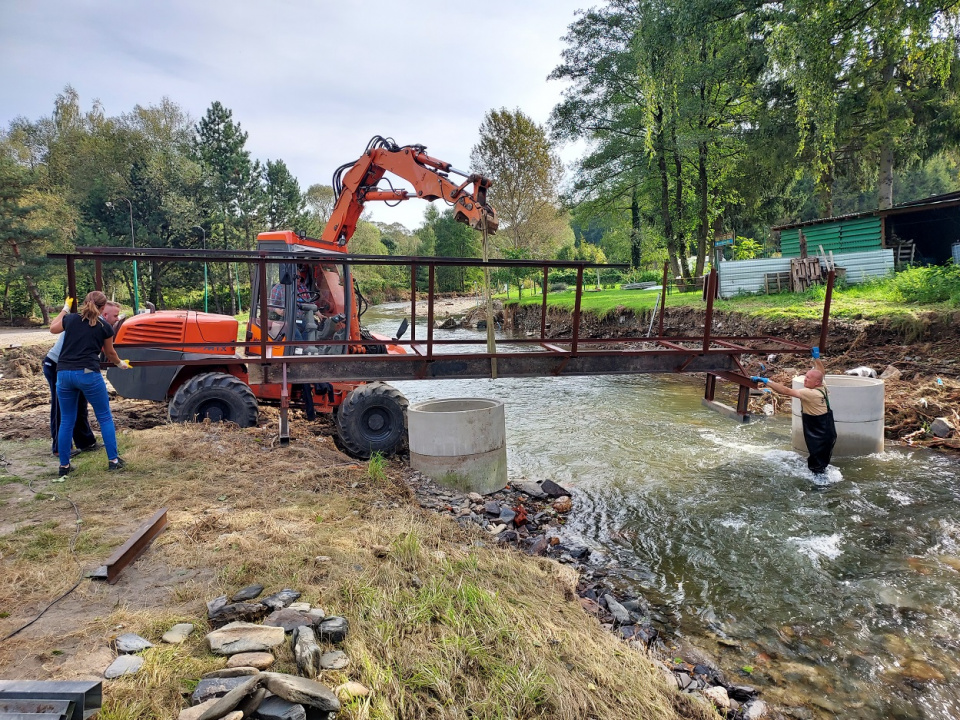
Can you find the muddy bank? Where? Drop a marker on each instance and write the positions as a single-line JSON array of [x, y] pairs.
[[925, 353]]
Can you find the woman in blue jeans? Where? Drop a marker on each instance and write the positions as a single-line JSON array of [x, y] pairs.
[[78, 371]]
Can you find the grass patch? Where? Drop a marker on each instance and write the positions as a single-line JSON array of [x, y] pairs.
[[904, 297], [443, 625]]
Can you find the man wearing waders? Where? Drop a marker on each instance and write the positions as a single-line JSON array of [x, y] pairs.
[[819, 431]]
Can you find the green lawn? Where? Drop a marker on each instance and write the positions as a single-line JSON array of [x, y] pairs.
[[870, 301]]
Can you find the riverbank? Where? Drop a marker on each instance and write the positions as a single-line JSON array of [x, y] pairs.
[[924, 383]]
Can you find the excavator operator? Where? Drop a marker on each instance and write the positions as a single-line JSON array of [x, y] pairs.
[[305, 294]]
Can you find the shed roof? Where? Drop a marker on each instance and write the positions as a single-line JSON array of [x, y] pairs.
[[928, 203]]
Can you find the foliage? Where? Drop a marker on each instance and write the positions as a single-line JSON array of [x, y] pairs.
[[928, 285], [746, 249], [517, 155]]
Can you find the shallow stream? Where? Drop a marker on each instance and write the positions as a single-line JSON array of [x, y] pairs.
[[842, 595]]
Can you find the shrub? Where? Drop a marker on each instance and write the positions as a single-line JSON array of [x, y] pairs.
[[932, 284]]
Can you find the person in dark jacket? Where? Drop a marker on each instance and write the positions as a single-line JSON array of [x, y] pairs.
[[819, 429], [87, 334], [83, 438]]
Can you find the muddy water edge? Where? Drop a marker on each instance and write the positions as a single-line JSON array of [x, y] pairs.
[[839, 598]]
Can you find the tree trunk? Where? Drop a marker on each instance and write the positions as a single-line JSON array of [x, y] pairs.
[[31, 284], [680, 241], [661, 153], [635, 228], [826, 192], [885, 200], [886, 176], [702, 192]]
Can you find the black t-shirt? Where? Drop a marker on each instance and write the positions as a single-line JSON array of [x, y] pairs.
[[83, 342]]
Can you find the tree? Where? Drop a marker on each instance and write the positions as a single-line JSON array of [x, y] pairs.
[[285, 204], [443, 236], [21, 243], [320, 203], [517, 155], [219, 146], [870, 78]]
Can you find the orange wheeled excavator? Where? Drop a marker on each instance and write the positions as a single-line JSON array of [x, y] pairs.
[[312, 301]]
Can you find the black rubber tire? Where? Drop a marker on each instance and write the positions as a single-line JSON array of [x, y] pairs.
[[373, 418], [217, 397]]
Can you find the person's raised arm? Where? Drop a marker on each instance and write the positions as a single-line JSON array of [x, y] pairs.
[[815, 354], [776, 387], [56, 327]]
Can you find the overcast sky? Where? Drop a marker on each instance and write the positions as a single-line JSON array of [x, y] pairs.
[[310, 81]]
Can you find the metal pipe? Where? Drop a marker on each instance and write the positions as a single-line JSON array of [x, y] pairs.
[[98, 275], [72, 283], [827, 298], [576, 310], [347, 303], [430, 277], [543, 306], [663, 294], [708, 324], [264, 323], [413, 302]]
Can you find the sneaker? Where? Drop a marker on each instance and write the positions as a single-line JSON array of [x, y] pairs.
[[91, 448], [64, 470], [116, 464]]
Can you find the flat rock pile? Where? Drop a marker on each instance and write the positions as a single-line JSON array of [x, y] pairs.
[[247, 630]]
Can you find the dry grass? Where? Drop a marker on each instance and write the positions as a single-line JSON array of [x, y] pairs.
[[443, 624]]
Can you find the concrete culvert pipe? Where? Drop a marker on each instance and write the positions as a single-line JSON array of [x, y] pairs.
[[460, 443], [858, 405]]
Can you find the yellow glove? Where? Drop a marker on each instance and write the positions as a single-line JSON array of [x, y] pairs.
[[124, 365], [67, 304]]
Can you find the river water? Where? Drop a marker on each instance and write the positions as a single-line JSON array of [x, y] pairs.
[[840, 594]]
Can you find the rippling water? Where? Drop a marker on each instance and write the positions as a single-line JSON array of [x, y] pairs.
[[841, 593]]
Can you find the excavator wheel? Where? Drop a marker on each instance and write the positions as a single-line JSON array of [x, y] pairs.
[[217, 397], [373, 418]]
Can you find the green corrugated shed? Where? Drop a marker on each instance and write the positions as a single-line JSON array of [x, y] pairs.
[[840, 236]]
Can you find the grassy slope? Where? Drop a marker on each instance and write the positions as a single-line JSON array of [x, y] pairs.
[[868, 302], [443, 623]]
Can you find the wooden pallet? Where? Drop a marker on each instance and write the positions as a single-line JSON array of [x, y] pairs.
[[776, 282], [804, 272]]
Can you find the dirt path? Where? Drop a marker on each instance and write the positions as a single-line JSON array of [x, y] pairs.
[[11, 337]]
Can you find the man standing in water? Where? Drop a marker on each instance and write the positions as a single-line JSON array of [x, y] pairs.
[[819, 430]]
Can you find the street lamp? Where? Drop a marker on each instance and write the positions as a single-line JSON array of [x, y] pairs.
[[133, 245], [206, 307]]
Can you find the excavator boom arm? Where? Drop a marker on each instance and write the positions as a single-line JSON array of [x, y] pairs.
[[427, 175]]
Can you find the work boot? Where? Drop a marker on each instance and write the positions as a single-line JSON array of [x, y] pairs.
[[116, 464]]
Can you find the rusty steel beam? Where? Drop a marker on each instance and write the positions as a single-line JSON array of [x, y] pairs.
[[576, 310], [132, 548], [711, 290], [478, 365], [825, 322], [253, 256], [663, 293], [413, 302]]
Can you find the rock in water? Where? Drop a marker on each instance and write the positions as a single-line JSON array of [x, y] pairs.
[[552, 489], [178, 633], [333, 629], [123, 665], [241, 637], [248, 593], [281, 599], [302, 691], [306, 651], [131, 643]]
